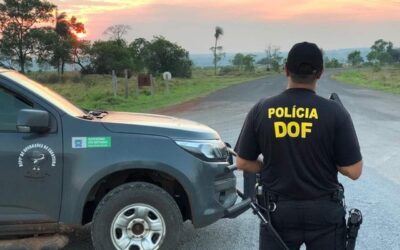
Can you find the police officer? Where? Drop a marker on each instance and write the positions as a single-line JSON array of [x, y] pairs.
[[303, 141]]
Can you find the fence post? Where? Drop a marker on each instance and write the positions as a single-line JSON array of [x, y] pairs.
[[152, 82], [114, 83], [137, 85], [166, 85], [167, 77], [126, 84]]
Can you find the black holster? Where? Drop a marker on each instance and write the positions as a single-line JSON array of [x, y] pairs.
[[353, 225]]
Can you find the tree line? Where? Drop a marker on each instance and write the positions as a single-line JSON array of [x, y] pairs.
[[273, 61], [34, 31], [381, 53]]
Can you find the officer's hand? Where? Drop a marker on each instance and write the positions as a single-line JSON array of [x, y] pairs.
[[249, 166]]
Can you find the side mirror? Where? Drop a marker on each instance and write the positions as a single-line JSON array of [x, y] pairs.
[[33, 120]]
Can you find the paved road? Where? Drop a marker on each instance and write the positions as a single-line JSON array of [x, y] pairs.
[[376, 117]]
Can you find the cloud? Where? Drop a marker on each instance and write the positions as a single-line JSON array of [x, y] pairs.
[[268, 10], [89, 7], [190, 21]]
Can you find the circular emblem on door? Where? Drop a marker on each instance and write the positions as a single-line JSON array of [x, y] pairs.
[[37, 158]]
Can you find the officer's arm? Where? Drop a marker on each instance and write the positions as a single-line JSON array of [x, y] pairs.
[[249, 166], [353, 171]]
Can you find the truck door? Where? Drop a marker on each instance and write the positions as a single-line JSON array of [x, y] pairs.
[[31, 165]]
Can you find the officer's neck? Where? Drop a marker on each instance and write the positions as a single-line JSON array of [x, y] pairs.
[[295, 85]]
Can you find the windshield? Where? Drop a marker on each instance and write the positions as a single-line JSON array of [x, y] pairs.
[[51, 96]]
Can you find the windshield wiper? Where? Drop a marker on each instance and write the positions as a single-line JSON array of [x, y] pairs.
[[91, 114], [98, 113], [87, 116]]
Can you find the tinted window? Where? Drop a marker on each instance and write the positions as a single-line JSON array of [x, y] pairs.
[[10, 104], [44, 93]]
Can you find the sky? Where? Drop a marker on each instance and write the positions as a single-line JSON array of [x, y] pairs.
[[249, 25]]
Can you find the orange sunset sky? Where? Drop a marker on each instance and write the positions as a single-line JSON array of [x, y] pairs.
[[249, 25]]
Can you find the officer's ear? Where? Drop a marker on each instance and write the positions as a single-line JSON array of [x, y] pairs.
[[287, 71], [319, 74]]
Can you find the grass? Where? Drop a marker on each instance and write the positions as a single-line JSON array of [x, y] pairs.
[[386, 79], [95, 91]]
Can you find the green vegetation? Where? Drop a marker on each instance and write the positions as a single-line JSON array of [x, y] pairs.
[[332, 63], [381, 71], [386, 79], [355, 58], [95, 91], [163, 55], [244, 62], [382, 52], [20, 35], [155, 57], [273, 59], [30, 33], [106, 56], [61, 46]]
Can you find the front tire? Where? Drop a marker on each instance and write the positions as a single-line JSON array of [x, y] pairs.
[[136, 216]]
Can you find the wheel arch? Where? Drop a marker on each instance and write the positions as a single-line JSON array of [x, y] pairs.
[[167, 177]]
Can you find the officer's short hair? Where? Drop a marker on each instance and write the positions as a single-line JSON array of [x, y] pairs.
[[305, 62], [304, 75]]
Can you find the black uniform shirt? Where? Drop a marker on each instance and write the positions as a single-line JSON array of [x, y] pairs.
[[303, 138]]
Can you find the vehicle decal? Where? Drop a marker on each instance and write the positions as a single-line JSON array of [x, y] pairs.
[[37, 159], [91, 142]]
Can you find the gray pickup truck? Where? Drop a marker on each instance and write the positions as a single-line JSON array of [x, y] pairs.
[[134, 177]]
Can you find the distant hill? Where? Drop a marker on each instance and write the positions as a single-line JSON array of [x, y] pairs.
[[206, 60]]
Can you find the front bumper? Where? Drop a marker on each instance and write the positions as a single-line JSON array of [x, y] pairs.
[[239, 207], [221, 182], [215, 193]]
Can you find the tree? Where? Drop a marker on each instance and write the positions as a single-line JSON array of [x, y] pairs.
[[106, 56], [139, 51], [238, 60], [395, 53], [273, 58], [47, 41], [61, 45], [381, 52], [18, 25], [355, 58], [248, 62], [117, 32], [245, 62], [163, 55], [68, 43], [332, 63], [217, 50], [81, 54]]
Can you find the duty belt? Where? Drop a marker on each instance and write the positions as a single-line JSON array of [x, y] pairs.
[[337, 196]]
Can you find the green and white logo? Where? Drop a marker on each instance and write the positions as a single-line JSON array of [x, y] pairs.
[[91, 142]]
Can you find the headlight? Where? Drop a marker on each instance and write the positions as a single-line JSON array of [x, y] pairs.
[[207, 150]]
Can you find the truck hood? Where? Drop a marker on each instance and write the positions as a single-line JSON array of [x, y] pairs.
[[138, 123]]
